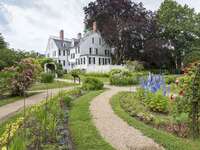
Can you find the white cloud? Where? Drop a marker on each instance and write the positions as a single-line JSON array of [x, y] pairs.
[[29, 26]]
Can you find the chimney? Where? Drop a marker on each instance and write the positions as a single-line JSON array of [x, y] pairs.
[[62, 34], [94, 26], [79, 36]]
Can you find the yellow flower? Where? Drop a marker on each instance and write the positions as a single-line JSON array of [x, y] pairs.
[[4, 148]]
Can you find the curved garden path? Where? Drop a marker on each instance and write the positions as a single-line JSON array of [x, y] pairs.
[[10, 109], [115, 131]]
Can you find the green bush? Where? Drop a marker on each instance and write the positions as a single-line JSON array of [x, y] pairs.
[[123, 77], [191, 57], [134, 65], [47, 78], [157, 102], [67, 100], [170, 79], [92, 84]]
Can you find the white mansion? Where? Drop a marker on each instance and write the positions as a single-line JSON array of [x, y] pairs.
[[89, 52]]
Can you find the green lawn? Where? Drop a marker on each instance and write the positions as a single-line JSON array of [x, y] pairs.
[[83, 131], [168, 141], [10, 99], [103, 79], [55, 84]]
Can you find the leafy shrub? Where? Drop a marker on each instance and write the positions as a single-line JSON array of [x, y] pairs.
[[157, 102], [67, 100], [191, 57], [122, 77], [92, 84], [25, 75], [47, 78], [76, 72], [77, 92], [170, 79], [5, 77], [134, 66]]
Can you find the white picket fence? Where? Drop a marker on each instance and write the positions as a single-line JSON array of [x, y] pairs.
[[103, 68]]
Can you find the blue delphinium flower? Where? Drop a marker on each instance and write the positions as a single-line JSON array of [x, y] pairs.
[[153, 83]]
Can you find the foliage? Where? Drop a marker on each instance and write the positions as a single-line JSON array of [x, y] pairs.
[[10, 131], [190, 85], [5, 77], [92, 84], [157, 102], [167, 140], [122, 77], [76, 72], [169, 79], [191, 57], [26, 73], [124, 25], [47, 77], [134, 66], [180, 27]]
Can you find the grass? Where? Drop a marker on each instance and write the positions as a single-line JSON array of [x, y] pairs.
[[83, 131], [9, 99], [102, 78], [55, 84], [168, 141]]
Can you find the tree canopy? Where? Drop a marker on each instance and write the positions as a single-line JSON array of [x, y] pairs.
[[180, 27], [123, 24]]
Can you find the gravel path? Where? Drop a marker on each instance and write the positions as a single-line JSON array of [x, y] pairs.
[[10, 109], [115, 131]]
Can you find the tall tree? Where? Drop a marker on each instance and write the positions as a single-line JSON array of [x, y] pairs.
[[123, 24], [3, 44], [179, 27]]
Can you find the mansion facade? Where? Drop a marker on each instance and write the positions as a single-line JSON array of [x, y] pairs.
[[89, 52]]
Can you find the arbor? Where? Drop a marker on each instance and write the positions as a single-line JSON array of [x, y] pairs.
[[180, 27], [123, 24]]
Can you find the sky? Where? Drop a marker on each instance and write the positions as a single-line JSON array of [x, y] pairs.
[[27, 24]]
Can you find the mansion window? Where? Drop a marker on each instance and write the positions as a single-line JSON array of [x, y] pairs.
[[93, 60], [99, 61], [78, 61], [109, 61], [63, 62], [105, 61], [59, 61], [96, 51], [90, 51], [107, 53], [84, 60], [64, 53], [89, 60], [59, 52], [81, 61]]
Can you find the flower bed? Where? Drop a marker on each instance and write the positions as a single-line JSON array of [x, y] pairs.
[[43, 127]]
